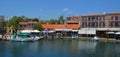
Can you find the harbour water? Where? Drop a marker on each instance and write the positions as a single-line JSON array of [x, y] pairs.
[[59, 48]]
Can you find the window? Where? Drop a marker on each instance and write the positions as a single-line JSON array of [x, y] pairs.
[[85, 19], [96, 18], [102, 18], [93, 18], [118, 23], [90, 24], [102, 24], [118, 18], [113, 18], [95, 24], [90, 18], [113, 24], [31, 25], [84, 24]]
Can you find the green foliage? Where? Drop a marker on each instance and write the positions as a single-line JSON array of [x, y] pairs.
[[43, 22], [35, 19], [53, 21], [68, 18], [38, 26], [14, 21], [32, 19], [61, 20]]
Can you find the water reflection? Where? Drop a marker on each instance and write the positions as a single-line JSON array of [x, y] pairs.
[[59, 48], [108, 49], [87, 48]]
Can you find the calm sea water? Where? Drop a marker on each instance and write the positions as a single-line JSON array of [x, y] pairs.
[[59, 48]]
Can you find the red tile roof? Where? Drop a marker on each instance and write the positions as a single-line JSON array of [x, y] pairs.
[[72, 26], [53, 26], [61, 26], [47, 26]]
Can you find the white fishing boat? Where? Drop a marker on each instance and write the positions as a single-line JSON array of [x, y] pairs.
[[95, 38], [74, 36]]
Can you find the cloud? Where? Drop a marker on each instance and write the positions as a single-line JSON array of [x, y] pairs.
[[66, 9], [67, 12]]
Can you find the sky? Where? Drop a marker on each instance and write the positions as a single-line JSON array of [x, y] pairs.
[[52, 9]]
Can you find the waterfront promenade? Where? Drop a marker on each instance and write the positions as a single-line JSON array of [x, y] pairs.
[[70, 37], [84, 38]]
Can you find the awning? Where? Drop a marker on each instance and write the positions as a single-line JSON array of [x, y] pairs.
[[117, 33], [35, 31], [87, 31], [67, 29], [82, 32], [63, 29], [26, 31], [29, 31], [74, 30], [58, 29], [110, 32], [51, 31]]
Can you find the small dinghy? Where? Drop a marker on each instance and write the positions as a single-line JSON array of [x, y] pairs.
[[95, 38]]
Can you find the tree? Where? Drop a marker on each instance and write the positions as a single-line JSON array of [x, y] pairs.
[[14, 22], [52, 21], [36, 19], [38, 26], [68, 18], [61, 20]]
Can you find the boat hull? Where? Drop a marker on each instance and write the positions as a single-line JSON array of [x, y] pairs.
[[22, 40], [95, 39], [26, 39]]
